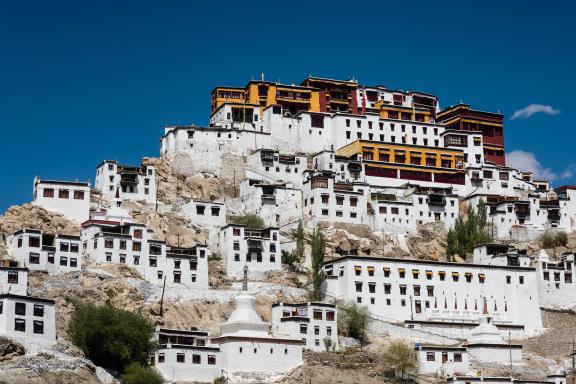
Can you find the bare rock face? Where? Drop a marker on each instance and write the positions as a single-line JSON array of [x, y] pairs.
[[33, 216], [9, 349]]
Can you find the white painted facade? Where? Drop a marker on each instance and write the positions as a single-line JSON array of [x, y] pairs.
[[445, 361], [258, 249], [70, 198], [132, 244], [130, 183], [185, 355], [276, 204], [327, 200], [23, 317], [205, 213], [436, 293], [274, 167], [40, 251], [312, 322], [244, 346]]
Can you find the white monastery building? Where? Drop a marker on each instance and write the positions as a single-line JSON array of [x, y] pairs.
[[315, 323], [259, 249], [70, 198], [133, 183], [41, 251]]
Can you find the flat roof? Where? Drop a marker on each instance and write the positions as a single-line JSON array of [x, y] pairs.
[[419, 261]]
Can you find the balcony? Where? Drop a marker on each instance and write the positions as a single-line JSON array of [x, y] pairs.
[[343, 187], [254, 246], [129, 178], [437, 200]]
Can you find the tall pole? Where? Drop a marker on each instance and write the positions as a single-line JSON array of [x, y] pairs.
[[573, 369], [510, 349], [162, 298], [411, 311]]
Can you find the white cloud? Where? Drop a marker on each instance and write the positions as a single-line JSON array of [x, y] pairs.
[[527, 162], [528, 111]]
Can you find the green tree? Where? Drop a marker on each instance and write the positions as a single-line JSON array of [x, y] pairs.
[[250, 220], [353, 320], [469, 230], [112, 338], [289, 258], [299, 234], [139, 374], [318, 245], [327, 343], [398, 359]]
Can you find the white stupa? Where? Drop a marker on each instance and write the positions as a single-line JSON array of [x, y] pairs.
[[486, 344], [247, 345]]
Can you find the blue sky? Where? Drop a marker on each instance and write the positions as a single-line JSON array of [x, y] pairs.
[[85, 81]]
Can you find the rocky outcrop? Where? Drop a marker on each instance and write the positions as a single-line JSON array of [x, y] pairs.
[[33, 216], [9, 349]]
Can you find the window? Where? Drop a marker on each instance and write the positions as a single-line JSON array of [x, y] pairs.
[[353, 201], [63, 261], [521, 279], [215, 211], [416, 290], [358, 286], [74, 247], [153, 262], [211, 359], [457, 357], [38, 310], [386, 272], [330, 315], [48, 192], [38, 326], [387, 289], [372, 287], [546, 275], [481, 278], [442, 275], [137, 233], [78, 195], [455, 276], [468, 277], [403, 290], [568, 277], [177, 277], [236, 246], [161, 358], [430, 290], [508, 279], [402, 273], [63, 193], [317, 314], [34, 242], [20, 325], [303, 329], [122, 244], [34, 258], [108, 243], [200, 209], [20, 309], [316, 330]]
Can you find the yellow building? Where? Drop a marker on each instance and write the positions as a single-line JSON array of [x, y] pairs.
[[292, 98], [405, 161]]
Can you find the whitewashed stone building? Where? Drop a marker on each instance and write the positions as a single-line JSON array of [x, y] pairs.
[[245, 345], [71, 198], [428, 294], [41, 251], [259, 249], [130, 183], [314, 323], [23, 317]]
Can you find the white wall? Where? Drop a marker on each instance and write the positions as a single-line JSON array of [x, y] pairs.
[[52, 196], [515, 302]]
